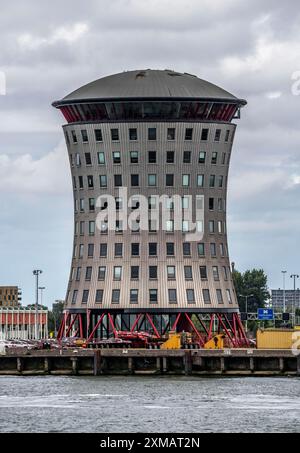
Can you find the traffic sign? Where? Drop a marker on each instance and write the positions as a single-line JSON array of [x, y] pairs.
[[265, 314]]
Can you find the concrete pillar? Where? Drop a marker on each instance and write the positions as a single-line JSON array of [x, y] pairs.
[[19, 365], [165, 364], [46, 365], [252, 364], [223, 365], [130, 365], [281, 364], [298, 365], [158, 365], [187, 359], [74, 365]]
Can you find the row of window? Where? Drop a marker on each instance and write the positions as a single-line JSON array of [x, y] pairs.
[[152, 158], [152, 135], [153, 204], [215, 181], [152, 250], [152, 271], [153, 296]]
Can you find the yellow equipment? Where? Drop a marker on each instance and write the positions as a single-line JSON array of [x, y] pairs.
[[173, 342], [278, 339], [217, 342]]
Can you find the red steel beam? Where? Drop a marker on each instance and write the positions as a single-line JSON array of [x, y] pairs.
[[112, 325], [71, 325], [176, 322], [195, 329], [225, 329], [138, 317], [152, 325], [95, 328]]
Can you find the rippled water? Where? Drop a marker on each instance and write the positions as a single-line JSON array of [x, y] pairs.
[[156, 404]]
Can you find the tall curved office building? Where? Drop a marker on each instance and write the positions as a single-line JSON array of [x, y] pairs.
[[150, 135]]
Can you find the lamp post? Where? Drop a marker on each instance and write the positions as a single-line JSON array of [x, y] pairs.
[[42, 288], [246, 298], [37, 273], [294, 276], [284, 300]]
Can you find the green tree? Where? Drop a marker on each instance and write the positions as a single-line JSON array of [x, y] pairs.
[[254, 282], [55, 316]]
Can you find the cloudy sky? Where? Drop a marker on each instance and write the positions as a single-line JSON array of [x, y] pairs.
[[51, 48]]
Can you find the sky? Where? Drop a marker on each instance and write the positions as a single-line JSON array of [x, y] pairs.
[[48, 49]]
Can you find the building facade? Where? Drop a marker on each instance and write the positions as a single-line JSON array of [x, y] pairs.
[[10, 296], [292, 299], [20, 324], [150, 141]]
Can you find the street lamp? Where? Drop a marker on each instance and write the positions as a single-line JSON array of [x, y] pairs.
[[37, 273], [284, 300], [246, 297], [294, 276]]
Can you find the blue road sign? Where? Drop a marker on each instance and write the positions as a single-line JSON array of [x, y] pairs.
[[265, 314]]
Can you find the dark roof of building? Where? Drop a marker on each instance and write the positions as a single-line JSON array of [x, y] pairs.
[[148, 84]]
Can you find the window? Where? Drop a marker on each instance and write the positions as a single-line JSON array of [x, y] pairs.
[[135, 180], [99, 296], [225, 272], [201, 249], [223, 158], [152, 133], [170, 157], [90, 180], [85, 296], [116, 157], [212, 181], [188, 273], [227, 135], [78, 274], [169, 180], [214, 158], [74, 297], [118, 180], [171, 272], [220, 204], [220, 225], [186, 249], [101, 158], [170, 226], [187, 155], [185, 180], [190, 295], [81, 250], [213, 250], [211, 226], [211, 204], [115, 135], [229, 298], [135, 270], [135, 249], [88, 273], [101, 273], [218, 135], [115, 299], [91, 228], [74, 137], [152, 157], [67, 137], [82, 228], [119, 226], [103, 181], [88, 159], [206, 296], [172, 296], [98, 135], [222, 250], [189, 134], [171, 134], [90, 250], [170, 249], [215, 270], [202, 157], [153, 294], [78, 160], [153, 272], [84, 136], [117, 273], [219, 296], [132, 134], [220, 181], [152, 180], [134, 157], [103, 250], [80, 178], [204, 135], [134, 296], [118, 249], [200, 180], [91, 204], [203, 272], [152, 249]]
